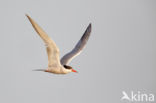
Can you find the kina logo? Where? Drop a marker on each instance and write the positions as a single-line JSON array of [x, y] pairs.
[[137, 97]]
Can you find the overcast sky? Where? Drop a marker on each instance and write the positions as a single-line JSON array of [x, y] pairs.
[[120, 54]]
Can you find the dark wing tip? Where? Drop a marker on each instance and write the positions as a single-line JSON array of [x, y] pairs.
[[87, 33], [90, 25], [88, 30], [27, 15]]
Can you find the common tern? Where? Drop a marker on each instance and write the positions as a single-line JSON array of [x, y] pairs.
[[55, 65]]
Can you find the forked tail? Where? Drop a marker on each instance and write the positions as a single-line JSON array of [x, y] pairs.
[[40, 70]]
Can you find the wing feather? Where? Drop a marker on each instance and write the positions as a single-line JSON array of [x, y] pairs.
[[78, 48], [52, 49]]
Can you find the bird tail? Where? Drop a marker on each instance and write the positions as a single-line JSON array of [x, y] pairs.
[[39, 70]]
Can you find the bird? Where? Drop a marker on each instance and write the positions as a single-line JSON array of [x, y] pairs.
[[55, 65]]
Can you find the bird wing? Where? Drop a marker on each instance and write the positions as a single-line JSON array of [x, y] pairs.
[[52, 49], [78, 48]]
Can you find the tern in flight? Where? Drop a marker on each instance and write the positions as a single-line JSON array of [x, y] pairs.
[[55, 65]]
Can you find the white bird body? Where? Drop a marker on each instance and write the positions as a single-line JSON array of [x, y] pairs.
[[54, 64], [58, 70]]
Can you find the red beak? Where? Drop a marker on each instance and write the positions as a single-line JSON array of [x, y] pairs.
[[74, 71]]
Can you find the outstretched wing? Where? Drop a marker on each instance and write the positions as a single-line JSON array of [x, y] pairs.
[[78, 48], [52, 50]]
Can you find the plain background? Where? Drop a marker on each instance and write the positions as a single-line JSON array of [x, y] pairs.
[[120, 54]]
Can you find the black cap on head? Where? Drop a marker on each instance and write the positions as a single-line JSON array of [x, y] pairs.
[[67, 67]]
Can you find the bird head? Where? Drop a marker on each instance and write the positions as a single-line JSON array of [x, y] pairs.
[[70, 68]]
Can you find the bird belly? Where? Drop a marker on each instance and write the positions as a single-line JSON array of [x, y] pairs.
[[56, 71]]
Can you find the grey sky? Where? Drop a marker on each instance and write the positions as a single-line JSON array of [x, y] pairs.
[[120, 54]]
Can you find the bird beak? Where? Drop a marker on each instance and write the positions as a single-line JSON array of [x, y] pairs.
[[74, 71]]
